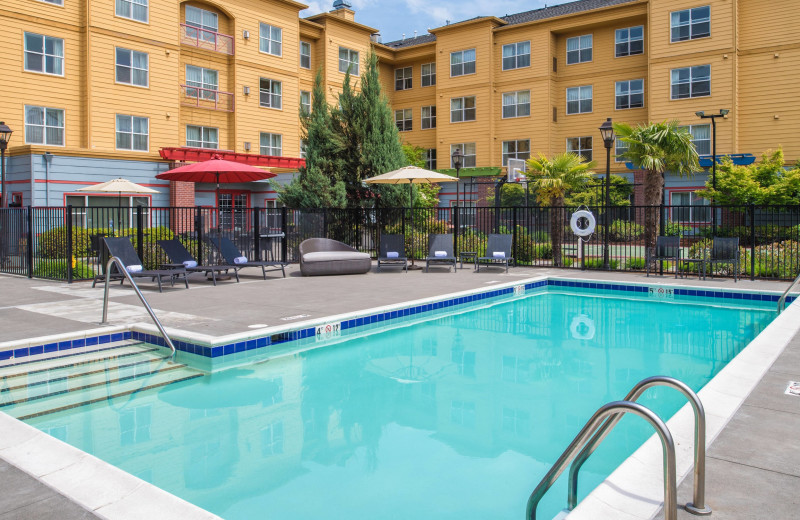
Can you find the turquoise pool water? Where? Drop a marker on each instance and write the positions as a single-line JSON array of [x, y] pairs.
[[458, 417]]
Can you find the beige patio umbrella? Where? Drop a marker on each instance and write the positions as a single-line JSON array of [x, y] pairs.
[[118, 186]]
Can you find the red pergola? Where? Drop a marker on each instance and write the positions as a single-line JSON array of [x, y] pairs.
[[204, 154]]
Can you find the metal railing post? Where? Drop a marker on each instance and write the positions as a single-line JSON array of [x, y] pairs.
[[285, 231], [752, 242], [140, 232], [69, 243], [29, 252], [256, 235], [513, 234], [198, 233]]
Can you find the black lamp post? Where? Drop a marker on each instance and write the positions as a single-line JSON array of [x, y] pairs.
[[5, 136], [457, 158], [607, 132], [713, 117]]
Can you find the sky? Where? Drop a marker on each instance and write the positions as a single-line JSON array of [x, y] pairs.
[[397, 17]]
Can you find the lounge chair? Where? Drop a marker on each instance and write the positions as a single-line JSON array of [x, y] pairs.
[[230, 253], [724, 251], [180, 257], [440, 244], [498, 252], [122, 248], [667, 249], [393, 244], [323, 256]]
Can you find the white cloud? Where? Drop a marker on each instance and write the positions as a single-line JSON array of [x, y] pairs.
[[313, 8], [457, 11]]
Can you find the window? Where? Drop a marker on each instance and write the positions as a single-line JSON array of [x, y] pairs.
[[695, 208], [44, 126], [133, 9], [630, 94], [305, 55], [690, 82], [54, 2], [462, 109], [269, 92], [428, 74], [463, 412], [202, 137], [430, 158], [462, 62], [701, 138], [464, 361], [579, 100], [402, 118], [270, 38], [134, 425], [630, 41], [303, 148], [517, 104], [581, 146], [271, 144], [272, 439], [429, 117], [516, 55], [517, 422], [579, 49], [690, 24], [348, 61], [305, 101], [620, 148], [44, 54], [468, 150], [204, 20], [403, 79], [132, 133], [520, 149], [132, 67], [204, 79]]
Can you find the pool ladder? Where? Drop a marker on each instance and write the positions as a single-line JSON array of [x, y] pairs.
[[121, 266], [601, 424], [782, 299]]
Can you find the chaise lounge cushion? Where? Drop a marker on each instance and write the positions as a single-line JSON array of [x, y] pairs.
[[322, 256]]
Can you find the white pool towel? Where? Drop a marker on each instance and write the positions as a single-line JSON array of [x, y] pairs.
[[440, 253], [499, 254], [188, 264], [133, 268], [392, 254], [240, 260]]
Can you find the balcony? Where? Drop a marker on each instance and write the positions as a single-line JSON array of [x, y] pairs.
[[206, 98], [205, 39]]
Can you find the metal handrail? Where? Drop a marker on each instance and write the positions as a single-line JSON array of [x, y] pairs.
[[116, 261], [613, 409], [697, 506], [782, 299]]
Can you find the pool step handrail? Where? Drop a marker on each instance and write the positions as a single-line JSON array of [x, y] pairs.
[[697, 506], [614, 409], [782, 299], [121, 266]]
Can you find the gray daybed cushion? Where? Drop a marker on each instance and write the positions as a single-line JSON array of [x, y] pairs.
[[323, 256]]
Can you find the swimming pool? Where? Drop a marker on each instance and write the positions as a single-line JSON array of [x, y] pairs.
[[453, 413]]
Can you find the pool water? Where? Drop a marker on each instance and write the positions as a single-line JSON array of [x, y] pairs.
[[457, 417]]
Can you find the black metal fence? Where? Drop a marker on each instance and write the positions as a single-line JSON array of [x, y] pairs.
[[65, 243]]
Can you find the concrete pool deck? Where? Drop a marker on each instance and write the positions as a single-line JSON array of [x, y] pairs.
[[742, 482]]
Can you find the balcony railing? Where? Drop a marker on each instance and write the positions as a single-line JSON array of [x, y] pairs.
[[206, 98], [205, 39]]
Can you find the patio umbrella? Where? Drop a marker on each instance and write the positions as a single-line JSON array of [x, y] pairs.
[[118, 186]]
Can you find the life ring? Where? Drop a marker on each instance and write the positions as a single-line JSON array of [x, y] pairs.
[[591, 223], [582, 327]]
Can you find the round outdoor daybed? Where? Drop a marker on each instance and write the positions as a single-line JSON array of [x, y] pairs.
[[323, 256]]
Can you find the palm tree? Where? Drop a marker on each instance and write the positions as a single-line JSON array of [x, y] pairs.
[[552, 179], [657, 148]]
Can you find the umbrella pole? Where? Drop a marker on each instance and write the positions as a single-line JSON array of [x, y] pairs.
[[219, 209]]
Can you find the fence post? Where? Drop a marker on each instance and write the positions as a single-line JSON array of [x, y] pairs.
[[662, 223], [513, 235], [257, 235], [457, 223], [325, 222], [752, 242], [140, 232], [284, 230], [30, 242], [198, 233], [69, 244]]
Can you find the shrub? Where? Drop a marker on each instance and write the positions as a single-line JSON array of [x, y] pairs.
[[57, 269], [635, 263], [53, 242], [672, 229], [624, 231], [597, 263]]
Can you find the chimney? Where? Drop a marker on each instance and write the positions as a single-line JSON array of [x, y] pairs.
[[342, 9]]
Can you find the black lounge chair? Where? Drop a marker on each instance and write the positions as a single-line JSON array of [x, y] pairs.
[[443, 242], [229, 252], [497, 243], [122, 248], [178, 255], [393, 244], [724, 251], [667, 249]]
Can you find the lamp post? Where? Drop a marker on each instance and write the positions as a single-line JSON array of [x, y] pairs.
[[713, 117], [457, 158], [607, 133], [5, 136]]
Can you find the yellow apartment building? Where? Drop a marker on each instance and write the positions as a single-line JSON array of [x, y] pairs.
[[96, 90]]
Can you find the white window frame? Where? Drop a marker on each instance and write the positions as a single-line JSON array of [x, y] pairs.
[[516, 154], [627, 40], [303, 148], [581, 50], [132, 68], [59, 3], [404, 119], [203, 141], [676, 23], [44, 54], [511, 99], [695, 203], [269, 44], [580, 150], [404, 78], [468, 154], [628, 93], [620, 147], [208, 26], [692, 71], [464, 110], [271, 147], [306, 107], [120, 5], [274, 100], [44, 126], [209, 90], [463, 64], [349, 62], [307, 56], [133, 133], [518, 56], [430, 158], [692, 129], [431, 75], [582, 98], [430, 118]]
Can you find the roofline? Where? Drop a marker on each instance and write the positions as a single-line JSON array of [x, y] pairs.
[[412, 46], [508, 26], [292, 3], [472, 21], [330, 16], [311, 24]]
